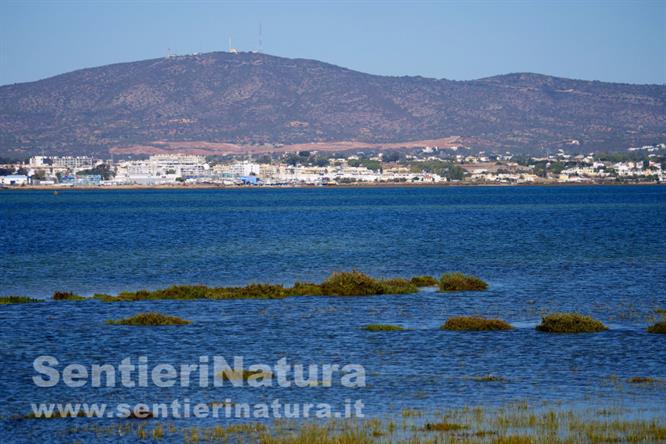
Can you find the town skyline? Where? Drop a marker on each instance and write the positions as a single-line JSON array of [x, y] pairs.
[[428, 165]]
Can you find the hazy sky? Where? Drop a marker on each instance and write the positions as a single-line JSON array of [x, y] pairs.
[[621, 41]]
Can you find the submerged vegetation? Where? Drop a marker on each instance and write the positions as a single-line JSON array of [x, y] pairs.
[[570, 323], [17, 300], [475, 323], [383, 327], [461, 282], [487, 378], [150, 319]]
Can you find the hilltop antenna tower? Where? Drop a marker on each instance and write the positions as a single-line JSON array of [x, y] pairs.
[[232, 50], [261, 41]]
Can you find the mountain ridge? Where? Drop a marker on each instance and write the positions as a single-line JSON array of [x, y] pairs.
[[258, 102]]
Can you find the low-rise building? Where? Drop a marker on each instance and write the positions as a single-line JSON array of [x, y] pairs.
[[14, 179]]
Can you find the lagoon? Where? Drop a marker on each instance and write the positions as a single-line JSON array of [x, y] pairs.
[[596, 250]]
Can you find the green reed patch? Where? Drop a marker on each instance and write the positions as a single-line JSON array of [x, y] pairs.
[[18, 300], [444, 427], [67, 296], [351, 283], [150, 319], [398, 286], [461, 282], [424, 281], [383, 327], [570, 323], [510, 424], [347, 283], [305, 289], [189, 292], [659, 327], [475, 323]]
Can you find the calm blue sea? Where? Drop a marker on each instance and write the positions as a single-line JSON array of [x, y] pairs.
[[598, 250]]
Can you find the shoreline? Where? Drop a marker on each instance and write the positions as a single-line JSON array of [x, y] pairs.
[[343, 186]]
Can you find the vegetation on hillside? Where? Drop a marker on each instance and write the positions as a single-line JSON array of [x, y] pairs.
[[64, 114]]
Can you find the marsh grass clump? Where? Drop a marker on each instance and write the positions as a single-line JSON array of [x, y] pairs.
[[18, 300], [570, 323], [383, 327], [261, 291], [398, 286], [305, 289], [351, 283], [444, 427], [659, 327], [355, 283], [509, 424], [243, 375], [150, 319], [475, 323], [641, 380], [424, 281], [461, 282], [192, 292], [67, 296]]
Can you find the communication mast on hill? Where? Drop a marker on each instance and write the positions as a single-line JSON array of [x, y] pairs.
[[232, 50], [261, 41]]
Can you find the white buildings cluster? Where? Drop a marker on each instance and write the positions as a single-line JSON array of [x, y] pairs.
[[336, 172], [600, 171], [165, 169]]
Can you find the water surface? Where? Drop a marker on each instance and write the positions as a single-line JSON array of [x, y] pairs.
[[598, 250]]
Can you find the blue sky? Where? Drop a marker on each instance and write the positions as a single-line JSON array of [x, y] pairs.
[[619, 41]]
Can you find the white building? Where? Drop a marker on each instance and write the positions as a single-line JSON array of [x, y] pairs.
[[64, 162], [167, 167], [14, 179], [245, 168]]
